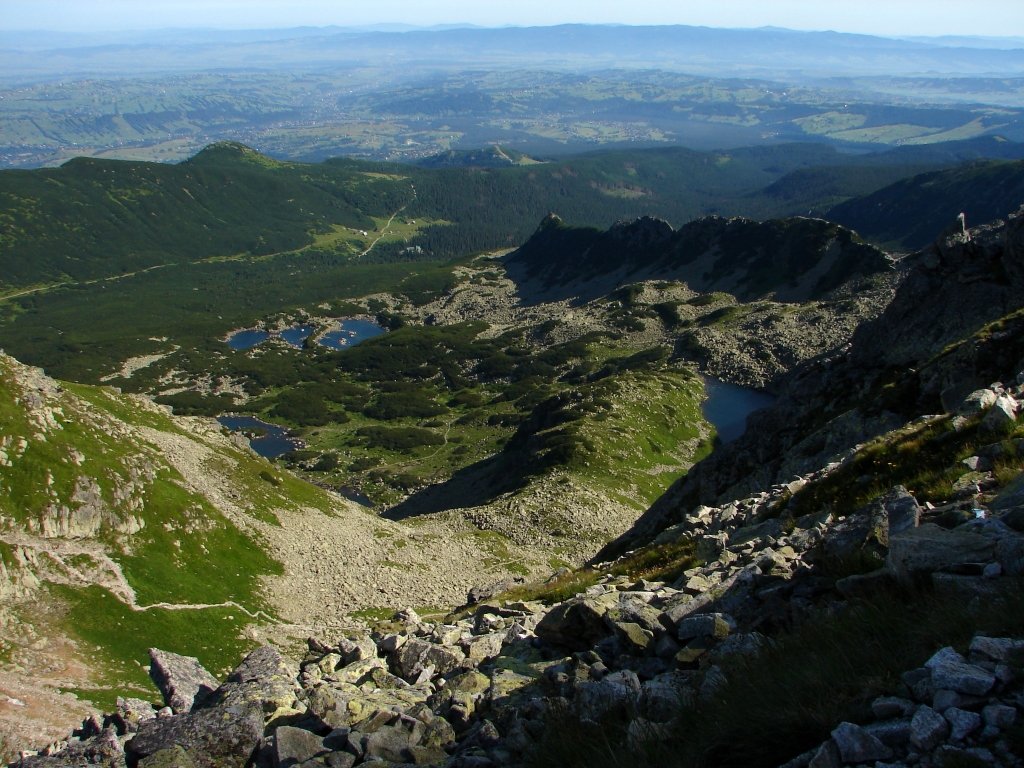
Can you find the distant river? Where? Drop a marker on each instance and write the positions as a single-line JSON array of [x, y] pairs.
[[727, 407]]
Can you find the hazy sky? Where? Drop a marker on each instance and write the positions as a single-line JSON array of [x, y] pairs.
[[885, 17]]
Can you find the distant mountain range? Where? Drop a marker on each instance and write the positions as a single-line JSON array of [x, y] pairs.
[[699, 50]]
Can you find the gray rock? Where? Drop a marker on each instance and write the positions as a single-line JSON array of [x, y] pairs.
[[484, 647], [996, 648], [978, 401], [213, 737], [103, 749], [1002, 414], [633, 639], [618, 692], [578, 624], [930, 548], [856, 745], [296, 745], [927, 728], [999, 715], [1010, 555], [356, 649], [961, 722], [417, 655], [951, 671], [662, 697], [715, 625], [885, 707], [395, 742], [263, 678], [181, 680], [176, 757], [130, 712], [892, 733], [827, 756], [902, 510]]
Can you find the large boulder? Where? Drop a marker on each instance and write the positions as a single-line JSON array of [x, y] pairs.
[[930, 548], [223, 736], [182, 680], [578, 624], [264, 679]]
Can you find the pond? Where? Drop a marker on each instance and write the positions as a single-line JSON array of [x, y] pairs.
[[268, 440], [351, 333], [297, 334], [247, 339], [728, 405]]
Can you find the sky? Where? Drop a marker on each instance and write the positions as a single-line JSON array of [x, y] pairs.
[[999, 18]]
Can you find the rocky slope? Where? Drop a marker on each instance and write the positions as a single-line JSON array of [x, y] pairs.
[[119, 525]]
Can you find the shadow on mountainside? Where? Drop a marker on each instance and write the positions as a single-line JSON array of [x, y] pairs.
[[473, 486]]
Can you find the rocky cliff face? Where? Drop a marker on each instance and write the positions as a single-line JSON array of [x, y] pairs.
[[953, 326], [791, 260]]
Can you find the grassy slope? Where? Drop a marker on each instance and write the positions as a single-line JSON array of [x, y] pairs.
[[188, 552]]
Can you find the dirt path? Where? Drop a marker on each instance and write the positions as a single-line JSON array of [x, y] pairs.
[[384, 229]]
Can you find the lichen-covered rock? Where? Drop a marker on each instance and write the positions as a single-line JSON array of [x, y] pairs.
[[263, 678], [416, 655], [174, 757], [293, 746], [222, 736]]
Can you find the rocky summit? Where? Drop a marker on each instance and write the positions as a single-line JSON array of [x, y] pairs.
[[841, 587]]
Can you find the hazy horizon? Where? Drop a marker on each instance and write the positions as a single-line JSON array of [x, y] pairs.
[[988, 18]]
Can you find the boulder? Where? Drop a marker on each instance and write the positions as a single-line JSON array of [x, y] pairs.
[[927, 728], [358, 648], [856, 745], [264, 679], [951, 672], [1002, 414], [577, 624], [901, 509], [296, 745], [979, 401], [103, 749], [930, 548], [416, 655], [223, 736], [182, 680], [616, 694]]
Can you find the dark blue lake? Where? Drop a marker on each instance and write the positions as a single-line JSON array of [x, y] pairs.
[[297, 334], [247, 339], [271, 441], [727, 407], [352, 332]]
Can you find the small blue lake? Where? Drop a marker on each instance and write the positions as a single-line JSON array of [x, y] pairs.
[[297, 334], [247, 339], [268, 440], [728, 405], [351, 333]]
